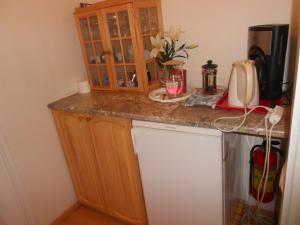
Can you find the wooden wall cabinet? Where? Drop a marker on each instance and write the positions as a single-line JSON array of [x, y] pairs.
[[115, 40], [102, 164]]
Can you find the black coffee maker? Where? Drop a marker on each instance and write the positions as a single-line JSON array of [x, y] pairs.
[[267, 46]]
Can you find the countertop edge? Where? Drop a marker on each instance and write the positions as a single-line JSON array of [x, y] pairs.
[[159, 119]]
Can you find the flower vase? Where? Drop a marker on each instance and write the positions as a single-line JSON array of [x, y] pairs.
[[174, 86], [164, 76], [182, 73]]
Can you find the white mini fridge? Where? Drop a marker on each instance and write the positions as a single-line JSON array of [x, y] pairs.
[[181, 171]]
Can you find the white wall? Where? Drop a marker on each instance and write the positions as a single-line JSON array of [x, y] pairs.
[[291, 203], [294, 207], [40, 61], [220, 28], [11, 211], [293, 215]]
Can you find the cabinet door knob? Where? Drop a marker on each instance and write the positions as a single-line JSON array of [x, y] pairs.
[[80, 118], [88, 118]]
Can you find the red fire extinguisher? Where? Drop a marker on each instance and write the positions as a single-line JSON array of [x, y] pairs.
[[257, 160]]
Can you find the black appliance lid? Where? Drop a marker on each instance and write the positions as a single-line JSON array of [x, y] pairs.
[[210, 65]]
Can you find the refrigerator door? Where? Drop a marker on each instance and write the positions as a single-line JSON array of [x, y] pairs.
[[181, 170]]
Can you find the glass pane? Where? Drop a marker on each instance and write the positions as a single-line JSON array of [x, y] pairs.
[[150, 71], [121, 76], [100, 57], [153, 20], [131, 76], [117, 51], [124, 23], [144, 18], [128, 51], [159, 71], [94, 75], [84, 26], [147, 47], [104, 75], [90, 54], [95, 27], [112, 25]]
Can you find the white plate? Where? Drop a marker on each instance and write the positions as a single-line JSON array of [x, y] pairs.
[[160, 95]]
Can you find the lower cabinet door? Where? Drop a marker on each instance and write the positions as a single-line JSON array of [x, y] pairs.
[[80, 155], [119, 168]]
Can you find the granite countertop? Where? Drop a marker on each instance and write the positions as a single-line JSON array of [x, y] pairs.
[[139, 107]]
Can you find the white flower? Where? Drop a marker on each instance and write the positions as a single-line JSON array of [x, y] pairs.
[[191, 46], [154, 52], [174, 33], [157, 44]]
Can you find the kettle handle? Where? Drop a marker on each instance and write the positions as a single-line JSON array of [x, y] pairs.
[[250, 82]]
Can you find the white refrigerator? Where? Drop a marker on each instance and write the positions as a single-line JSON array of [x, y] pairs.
[[181, 171]]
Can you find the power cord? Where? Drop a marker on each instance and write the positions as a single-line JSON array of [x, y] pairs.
[[235, 128], [273, 116], [254, 215]]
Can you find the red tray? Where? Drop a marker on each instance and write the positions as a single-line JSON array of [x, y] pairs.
[[223, 104]]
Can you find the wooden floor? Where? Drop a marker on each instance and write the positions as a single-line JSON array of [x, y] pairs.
[[87, 216]]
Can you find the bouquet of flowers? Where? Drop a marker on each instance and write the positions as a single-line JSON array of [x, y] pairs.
[[166, 46]]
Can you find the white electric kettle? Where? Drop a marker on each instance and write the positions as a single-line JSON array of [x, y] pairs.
[[243, 88]]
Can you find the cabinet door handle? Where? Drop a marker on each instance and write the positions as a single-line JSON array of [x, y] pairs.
[[88, 118], [80, 118]]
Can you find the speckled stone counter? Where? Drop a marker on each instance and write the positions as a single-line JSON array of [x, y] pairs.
[[139, 107]]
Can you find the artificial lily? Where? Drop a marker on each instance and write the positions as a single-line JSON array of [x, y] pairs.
[[166, 46], [191, 46], [174, 33], [157, 44]]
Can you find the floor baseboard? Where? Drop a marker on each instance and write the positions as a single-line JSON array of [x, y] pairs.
[[65, 214]]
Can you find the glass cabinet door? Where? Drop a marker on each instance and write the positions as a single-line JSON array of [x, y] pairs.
[[121, 40], [116, 45], [91, 36], [149, 26]]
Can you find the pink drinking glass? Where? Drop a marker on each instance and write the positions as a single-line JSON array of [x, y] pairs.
[[174, 86]]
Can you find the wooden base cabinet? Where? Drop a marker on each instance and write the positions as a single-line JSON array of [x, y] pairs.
[[80, 154], [102, 164]]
